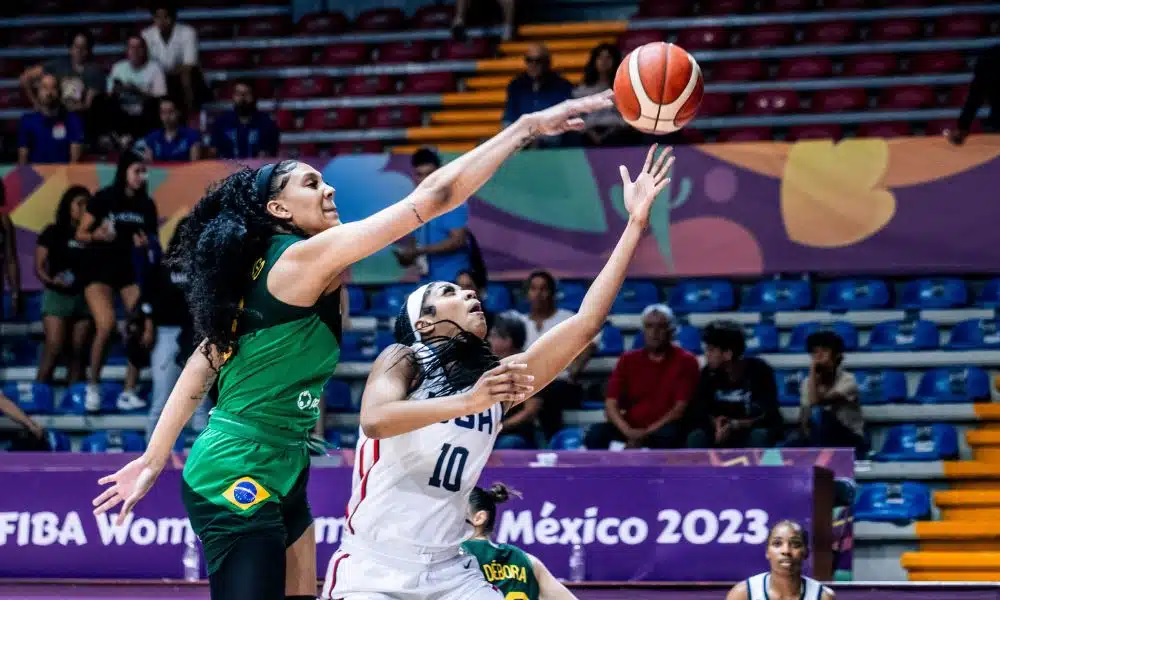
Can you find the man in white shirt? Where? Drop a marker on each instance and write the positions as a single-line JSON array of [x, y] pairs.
[[135, 86], [176, 48]]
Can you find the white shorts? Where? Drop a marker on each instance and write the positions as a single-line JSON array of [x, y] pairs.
[[356, 574]]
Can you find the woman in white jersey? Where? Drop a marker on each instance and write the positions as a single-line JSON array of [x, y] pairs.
[[787, 551], [430, 415]]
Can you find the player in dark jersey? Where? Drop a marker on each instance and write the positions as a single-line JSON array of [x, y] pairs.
[[515, 572], [787, 551], [264, 254]]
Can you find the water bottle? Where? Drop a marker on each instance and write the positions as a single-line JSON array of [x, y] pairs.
[[576, 564], [191, 560]]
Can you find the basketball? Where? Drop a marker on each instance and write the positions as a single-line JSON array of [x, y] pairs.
[[658, 88]]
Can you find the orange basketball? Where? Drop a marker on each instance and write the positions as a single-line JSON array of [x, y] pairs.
[[658, 88]]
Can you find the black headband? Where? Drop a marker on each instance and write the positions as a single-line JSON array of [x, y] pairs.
[[264, 182]]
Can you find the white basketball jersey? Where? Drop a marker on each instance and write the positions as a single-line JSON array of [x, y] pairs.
[[810, 588], [410, 492]]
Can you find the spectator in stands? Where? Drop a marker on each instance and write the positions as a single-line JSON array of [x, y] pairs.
[[135, 87], [830, 414], [441, 248], [520, 429], [9, 262], [458, 24], [32, 437], [50, 134], [64, 312], [649, 391], [985, 88], [116, 230], [605, 127], [736, 401], [175, 47], [174, 141], [537, 88], [81, 80], [245, 131]]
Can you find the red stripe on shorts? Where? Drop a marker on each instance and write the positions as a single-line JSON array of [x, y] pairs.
[[335, 570]]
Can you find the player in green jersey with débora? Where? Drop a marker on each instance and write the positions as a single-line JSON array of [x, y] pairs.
[[515, 572], [264, 253]]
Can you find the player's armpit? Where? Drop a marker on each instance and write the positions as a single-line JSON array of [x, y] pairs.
[[739, 592], [550, 588]]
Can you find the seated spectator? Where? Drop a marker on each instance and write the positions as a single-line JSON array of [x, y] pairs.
[[173, 141], [67, 325], [830, 413], [520, 429], [175, 47], [245, 132], [80, 78], [441, 247], [9, 262], [605, 127], [537, 88], [736, 401], [50, 134], [32, 437], [135, 87], [649, 390], [458, 24]]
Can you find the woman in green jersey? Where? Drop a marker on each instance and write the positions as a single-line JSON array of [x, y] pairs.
[[515, 572], [264, 255]]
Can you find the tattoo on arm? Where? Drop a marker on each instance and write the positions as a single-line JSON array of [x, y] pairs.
[[415, 212]]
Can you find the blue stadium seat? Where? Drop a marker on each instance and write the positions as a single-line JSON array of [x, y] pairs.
[[611, 341], [975, 334], [18, 352], [702, 296], [896, 503], [855, 294], [357, 301], [60, 441], [953, 385], [878, 387], [342, 437], [763, 338], [934, 293], [990, 294], [73, 401], [688, 338], [105, 440], [570, 293], [32, 397], [788, 384], [389, 301], [774, 295], [358, 347], [909, 442], [569, 438], [904, 335], [338, 396], [847, 332], [96, 441], [497, 299], [634, 296], [384, 339], [117, 355]]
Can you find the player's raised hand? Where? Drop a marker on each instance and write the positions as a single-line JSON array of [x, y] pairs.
[[566, 115], [506, 383], [128, 486], [653, 177]]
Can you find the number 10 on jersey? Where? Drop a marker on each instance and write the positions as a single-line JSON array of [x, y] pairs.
[[449, 470]]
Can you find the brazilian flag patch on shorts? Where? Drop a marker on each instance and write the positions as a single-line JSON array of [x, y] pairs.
[[245, 493]]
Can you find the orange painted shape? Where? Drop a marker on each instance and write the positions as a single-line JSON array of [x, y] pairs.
[[489, 98], [500, 81], [976, 484], [955, 530], [452, 133], [970, 469], [986, 454], [983, 436], [447, 147], [515, 64], [987, 411], [572, 30], [950, 560], [580, 45], [482, 116], [948, 544], [971, 514], [948, 498], [956, 576]]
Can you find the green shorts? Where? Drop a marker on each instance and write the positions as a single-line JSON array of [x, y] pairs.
[[58, 304], [241, 480]]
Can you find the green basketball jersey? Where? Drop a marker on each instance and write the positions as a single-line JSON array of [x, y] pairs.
[[507, 567], [285, 354]]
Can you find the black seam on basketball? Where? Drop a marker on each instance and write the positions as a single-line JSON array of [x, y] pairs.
[[663, 81]]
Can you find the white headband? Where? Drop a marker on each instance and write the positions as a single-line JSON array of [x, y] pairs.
[[412, 307]]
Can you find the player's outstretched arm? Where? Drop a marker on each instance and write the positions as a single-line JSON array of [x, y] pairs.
[[559, 346], [739, 592], [386, 411], [550, 588], [327, 254]]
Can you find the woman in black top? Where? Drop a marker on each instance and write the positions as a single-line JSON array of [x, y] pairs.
[[64, 311], [121, 220]]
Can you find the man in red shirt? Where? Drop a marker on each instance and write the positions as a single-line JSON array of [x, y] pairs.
[[649, 389]]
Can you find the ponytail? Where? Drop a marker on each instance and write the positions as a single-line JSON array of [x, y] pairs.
[[487, 500]]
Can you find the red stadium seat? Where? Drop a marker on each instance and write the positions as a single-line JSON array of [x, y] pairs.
[[693, 136], [703, 38], [387, 19], [433, 17], [749, 70], [754, 134], [325, 22], [841, 5], [12, 98], [768, 36], [815, 131], [840, 100], [236, 59], [473, 49], [278, 57], [788, 6], [938, 63], [723, 7], [357, 148], [266, 27], [330, 119], [885, 130], [957, 95], [307, 149], [664, 8], [306, 87], [285, 120], [907, 98], [840, 31], [214, 30], [871, 65], [393, 117], [771, 102], [39, 36], [109, 33], [430, 83], [405, 52], [806, 67], [905, 3], [344, 54], [11, 68], [896, 29], [970, 26], [715, 104], [629, 41], [369, 85]]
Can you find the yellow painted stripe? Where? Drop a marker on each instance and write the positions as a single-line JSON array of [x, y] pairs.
[[453, 133], [500, 81], [574, 45], [942, 560], [987, 411], [946, 498], [984, 436], [475, 99], [515, 64], [958, 530], [970, 469], [572, 30], [483, 116], [956, 576]]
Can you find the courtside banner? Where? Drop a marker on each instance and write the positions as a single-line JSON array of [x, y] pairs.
[[653, 523]]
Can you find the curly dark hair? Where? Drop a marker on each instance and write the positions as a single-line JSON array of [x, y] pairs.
[[227, 230]]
